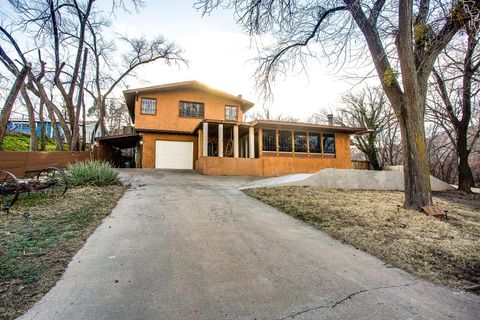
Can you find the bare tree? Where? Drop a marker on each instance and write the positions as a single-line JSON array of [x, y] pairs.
[[62, 30], [390, 145], [105, 78], [443, 160], [417, 30], [34, 82], [12, 96], [454, 105], [369, 109]]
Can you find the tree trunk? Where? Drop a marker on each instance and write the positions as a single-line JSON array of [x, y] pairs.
[[373, 153], [75, 145], [9, 102], [43, 138], [465, 175], [84, 126], [416, 165], [101, 118], [54, 127], [31, 120]]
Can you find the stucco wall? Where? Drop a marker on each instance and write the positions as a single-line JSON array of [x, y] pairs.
[[289, 163], [265, 167], [167, 116], [272, 165], [149, 146]]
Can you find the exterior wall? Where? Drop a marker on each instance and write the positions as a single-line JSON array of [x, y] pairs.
[[149, 146], [167, 117], [214, 166], [272, 165]]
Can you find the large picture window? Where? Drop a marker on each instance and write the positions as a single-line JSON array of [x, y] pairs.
[[300, 141], [315, 143], [269, 140], [149, 106], [285, 141], [231, 113], [329, 143], [191, 109]]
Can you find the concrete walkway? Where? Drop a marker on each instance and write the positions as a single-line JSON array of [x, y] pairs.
[[184, 246]]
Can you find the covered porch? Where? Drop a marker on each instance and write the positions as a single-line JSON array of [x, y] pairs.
[[228, 139], [270, 148]]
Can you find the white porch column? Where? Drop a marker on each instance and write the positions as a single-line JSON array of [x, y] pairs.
[[220, 140], [251, 142], [205, 139], [235, 141]]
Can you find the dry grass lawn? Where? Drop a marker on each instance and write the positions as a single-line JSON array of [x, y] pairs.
[[444, 252], [34, 252]]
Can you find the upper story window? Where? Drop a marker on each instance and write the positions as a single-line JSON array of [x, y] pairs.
[[191, 109], [329, 143], [269, 140], [315, 146], [149, 106], [231, 113], [285, 141], [300, 141]]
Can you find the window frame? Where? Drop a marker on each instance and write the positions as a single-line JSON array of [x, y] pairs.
[[274, 131], [191, 103], [289, 135], [141, 104], [236, 112], [300, 133], [320, 141], [324, 139]]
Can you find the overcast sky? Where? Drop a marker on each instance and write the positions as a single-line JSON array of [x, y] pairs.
[[220, 55]]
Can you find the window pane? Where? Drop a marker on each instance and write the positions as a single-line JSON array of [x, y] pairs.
[[230, 113], [191, 109], [149, 106], [285, 141], [315, 143], [269, 140], [300, 142], [328, 143]]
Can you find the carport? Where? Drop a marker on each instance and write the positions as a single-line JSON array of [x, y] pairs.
[[122, 151]]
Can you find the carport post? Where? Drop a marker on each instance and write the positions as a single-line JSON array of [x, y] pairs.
[[205, 139], [251, 142], [220, 140], [235, 141]]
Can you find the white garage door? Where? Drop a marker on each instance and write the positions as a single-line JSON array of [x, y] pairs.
[[174, 155]]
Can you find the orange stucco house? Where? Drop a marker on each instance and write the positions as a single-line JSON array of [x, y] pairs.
[[188, 125]]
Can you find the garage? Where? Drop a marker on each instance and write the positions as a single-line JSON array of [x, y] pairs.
[[173, 154]]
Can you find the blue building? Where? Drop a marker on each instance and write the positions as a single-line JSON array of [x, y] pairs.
[[23, 126]]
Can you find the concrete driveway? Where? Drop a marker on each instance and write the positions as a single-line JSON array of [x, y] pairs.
[[185, 246]]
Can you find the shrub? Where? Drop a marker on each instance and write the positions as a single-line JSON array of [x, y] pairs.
[[94, 172]]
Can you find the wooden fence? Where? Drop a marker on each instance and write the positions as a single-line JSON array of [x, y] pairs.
[[20, 162], [361, 165]]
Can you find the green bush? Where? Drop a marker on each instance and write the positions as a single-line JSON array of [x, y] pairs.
[[94, 172]]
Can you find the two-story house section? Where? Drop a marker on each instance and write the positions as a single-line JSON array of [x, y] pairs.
[[189, 125]]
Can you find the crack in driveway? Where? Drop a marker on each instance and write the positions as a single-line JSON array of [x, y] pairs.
[[336, 303]]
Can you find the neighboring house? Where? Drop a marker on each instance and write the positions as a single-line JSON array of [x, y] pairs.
[[23, 126], [189, 125]]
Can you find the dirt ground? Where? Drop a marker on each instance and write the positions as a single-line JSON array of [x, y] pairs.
[[444, 252], [35, 251]]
